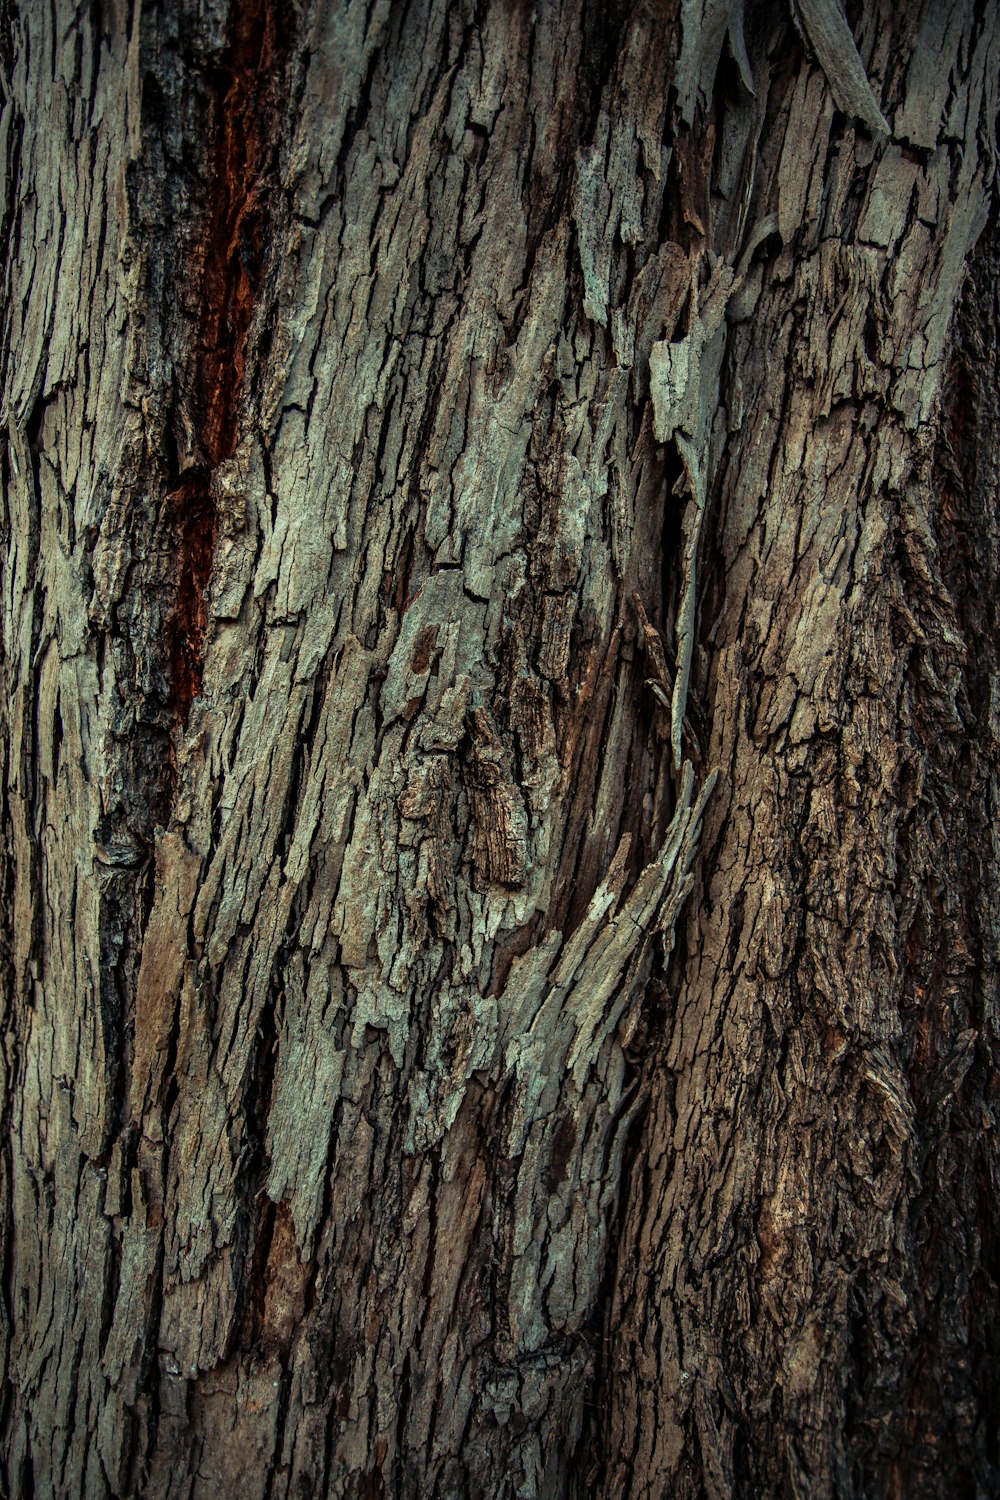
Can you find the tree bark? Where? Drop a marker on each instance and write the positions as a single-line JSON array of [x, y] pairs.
[[501, 898]]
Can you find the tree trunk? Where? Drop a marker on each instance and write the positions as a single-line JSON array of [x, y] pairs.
[[501, 897]]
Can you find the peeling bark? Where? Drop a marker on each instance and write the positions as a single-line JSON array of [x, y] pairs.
[[498, 877]]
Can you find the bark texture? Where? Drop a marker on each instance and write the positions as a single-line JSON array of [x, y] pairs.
[[500, 883]]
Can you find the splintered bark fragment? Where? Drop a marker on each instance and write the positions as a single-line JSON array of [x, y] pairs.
[[684, 386], [738, 46], [831, 38], [694, 514], [592, 215]]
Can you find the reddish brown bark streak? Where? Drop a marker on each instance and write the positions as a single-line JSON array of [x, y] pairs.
[[231, 256]]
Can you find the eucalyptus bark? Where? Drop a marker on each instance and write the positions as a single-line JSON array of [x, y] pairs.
[[500, 883]]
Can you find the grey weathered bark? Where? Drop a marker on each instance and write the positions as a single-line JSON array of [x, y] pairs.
[[435, 438]]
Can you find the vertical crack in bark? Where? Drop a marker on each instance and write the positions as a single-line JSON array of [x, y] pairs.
[[194, 511], [949, 969], [241, 151]]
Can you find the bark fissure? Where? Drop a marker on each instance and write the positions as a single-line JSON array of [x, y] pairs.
[[229, 262]]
